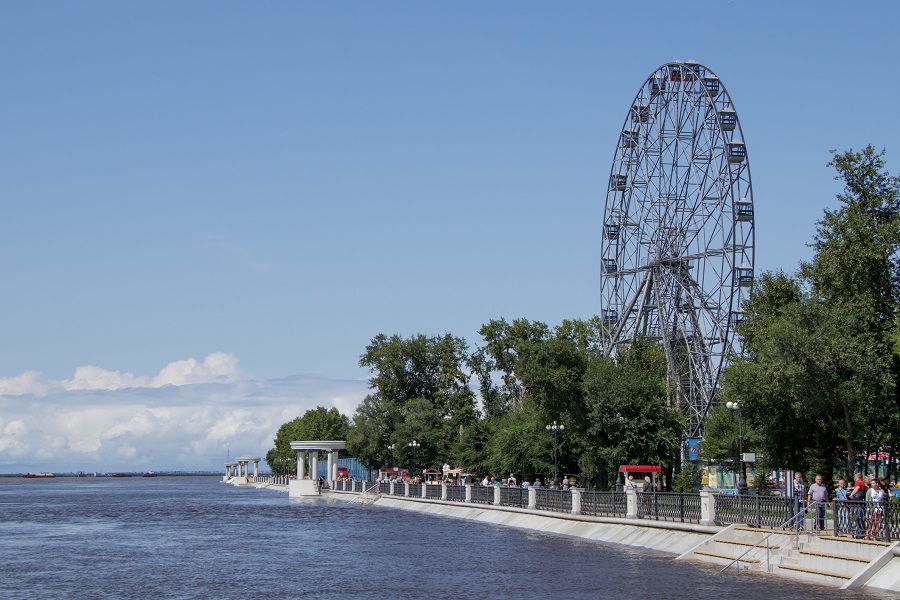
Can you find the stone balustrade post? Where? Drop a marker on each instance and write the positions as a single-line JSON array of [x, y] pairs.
[[443, 491], [406, 489], [497, 495], [631, 504], [423, 490], [532, 498], [707, 508], [576, 501], [468, 492]]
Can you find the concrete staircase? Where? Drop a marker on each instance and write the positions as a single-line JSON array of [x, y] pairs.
[[826, 560]]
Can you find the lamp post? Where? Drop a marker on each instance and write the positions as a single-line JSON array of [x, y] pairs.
[[415, 446], [736, 408], [391, 449], [555, 428]]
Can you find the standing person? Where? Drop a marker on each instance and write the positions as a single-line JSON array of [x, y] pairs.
[[818, 494], [565, 482], [511, 482], [857, 496], [799, 495], [841, 510], [875, 505]]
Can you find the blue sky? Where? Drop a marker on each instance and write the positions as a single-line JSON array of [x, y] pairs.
[[278, 183]]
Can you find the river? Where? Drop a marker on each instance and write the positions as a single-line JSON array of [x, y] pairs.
[[195, 537]]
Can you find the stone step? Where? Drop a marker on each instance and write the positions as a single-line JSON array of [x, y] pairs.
[[835, 556], [723, 556], [813, 571]]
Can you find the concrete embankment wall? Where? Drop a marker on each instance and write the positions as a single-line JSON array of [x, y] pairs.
[[659, 536]]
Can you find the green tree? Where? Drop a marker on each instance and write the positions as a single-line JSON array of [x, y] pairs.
[[820, 370], [315, 424], [629, 419], [420, 392]]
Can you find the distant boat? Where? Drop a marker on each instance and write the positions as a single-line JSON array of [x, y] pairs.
[[149, 474], [120, 474], [32, 475]]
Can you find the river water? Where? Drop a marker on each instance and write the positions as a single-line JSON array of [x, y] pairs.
[[195, 537]]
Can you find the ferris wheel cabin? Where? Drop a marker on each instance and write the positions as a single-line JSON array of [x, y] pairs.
[[610, 316], [629, 138], [611, 231], [640, 113], [736, 151], [743, 210], [609, 265], [619, 182], [711, 84], [743, 275], [728, 119], [656, 85]]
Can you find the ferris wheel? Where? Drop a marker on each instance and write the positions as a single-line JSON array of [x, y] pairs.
[[677, 246]]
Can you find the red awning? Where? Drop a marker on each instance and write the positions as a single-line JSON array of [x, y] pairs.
[[640, 469]]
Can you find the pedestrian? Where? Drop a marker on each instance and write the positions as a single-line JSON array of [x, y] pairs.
[[565, 482], [511, 482], [799, 496], [875, 506], [537, 482], [857, 497], [818, 494], [841, 510]]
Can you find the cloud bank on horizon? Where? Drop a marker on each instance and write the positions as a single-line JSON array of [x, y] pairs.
[[192, 415]]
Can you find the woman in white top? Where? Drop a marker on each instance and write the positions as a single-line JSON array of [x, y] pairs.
[[875, 504]]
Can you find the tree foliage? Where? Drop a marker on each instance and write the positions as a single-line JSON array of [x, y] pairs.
[[315, 424], [819, 374]]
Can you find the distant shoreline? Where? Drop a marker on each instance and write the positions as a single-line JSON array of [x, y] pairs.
[[105, 474]]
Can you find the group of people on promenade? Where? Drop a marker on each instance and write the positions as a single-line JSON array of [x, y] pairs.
[[859, 508], [487, 481]]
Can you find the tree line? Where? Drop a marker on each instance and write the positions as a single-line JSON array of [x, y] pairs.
[[816, 383]]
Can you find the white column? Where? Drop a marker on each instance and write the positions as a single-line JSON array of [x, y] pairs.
[[330, 475], [301, 464], [532, 498], [255, 469], [313, 464]]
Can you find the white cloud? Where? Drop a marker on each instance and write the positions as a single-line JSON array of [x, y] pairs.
[[189, 416]]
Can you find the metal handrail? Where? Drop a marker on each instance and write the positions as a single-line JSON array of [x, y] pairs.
[[771, 533]]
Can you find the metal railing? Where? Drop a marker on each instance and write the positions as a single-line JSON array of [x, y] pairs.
[[665, 506], [870, 520], [415, 490], [792, 526], [755, 511], [604, 504], [483, 495], [434, 492], [513, 496], [553, 500], [457, 493]]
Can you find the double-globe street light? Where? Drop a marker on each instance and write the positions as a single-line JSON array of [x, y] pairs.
[[415, 446], [555, 428], [742, 484]]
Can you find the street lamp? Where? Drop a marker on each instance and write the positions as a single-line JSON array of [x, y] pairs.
[[736, 408], [391, 449], [415, 446], [555, 428]]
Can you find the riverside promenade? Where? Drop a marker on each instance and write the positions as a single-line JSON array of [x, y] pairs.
[[737, 532]]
